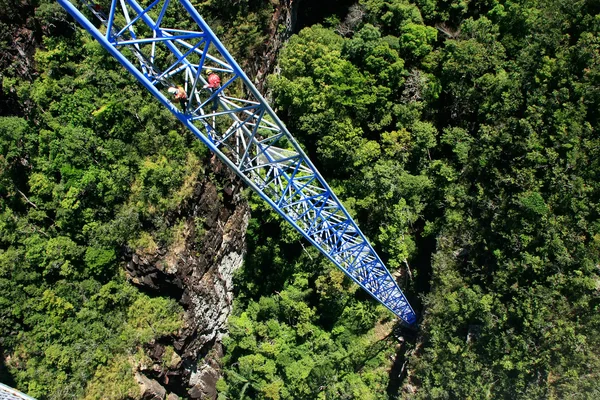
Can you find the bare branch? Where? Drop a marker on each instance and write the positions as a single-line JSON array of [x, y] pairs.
[[413, 87], [450, 32], [26, 199], [410, 276], [354, 17]]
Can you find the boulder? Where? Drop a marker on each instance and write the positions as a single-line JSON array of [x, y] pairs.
[[150, 389]]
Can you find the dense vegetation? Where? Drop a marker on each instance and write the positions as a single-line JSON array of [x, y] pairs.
[[480, 134], [462, 135], [90, 166]]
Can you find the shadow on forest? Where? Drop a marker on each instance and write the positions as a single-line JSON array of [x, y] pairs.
[[314, 11], [398, 372], [5, 376], [422, 261], [399, 335], [373, 351], [422, 285]]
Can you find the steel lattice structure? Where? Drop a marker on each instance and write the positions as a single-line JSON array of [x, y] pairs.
[[8, 393], [155, 44]]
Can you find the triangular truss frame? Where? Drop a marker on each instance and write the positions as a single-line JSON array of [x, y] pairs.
[[239, 126]]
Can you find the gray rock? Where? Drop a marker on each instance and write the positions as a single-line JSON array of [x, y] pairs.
[[150, 389], [204, 384], [198, 273]]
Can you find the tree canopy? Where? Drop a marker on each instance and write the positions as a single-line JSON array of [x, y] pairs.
[[475, 126], [463, 137]]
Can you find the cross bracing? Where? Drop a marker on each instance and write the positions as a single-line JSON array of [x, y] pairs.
[[8, 393], [155, 43]]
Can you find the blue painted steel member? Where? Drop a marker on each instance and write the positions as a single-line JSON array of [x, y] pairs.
[[8, 393], [211, 95]]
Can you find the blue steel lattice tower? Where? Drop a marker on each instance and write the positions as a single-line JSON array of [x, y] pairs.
[[238, 125]]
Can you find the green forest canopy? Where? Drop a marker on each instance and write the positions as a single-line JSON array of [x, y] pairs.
[[462, 135]]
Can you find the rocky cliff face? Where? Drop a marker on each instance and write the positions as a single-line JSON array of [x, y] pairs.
[[281, 27], [19, 38], [197, 270]]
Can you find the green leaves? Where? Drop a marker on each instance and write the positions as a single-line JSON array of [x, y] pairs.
[[151, 318], [99, 259], [417, 40], [276, 348], [484, 136], [393, 15], [533, 203], [91, 169]]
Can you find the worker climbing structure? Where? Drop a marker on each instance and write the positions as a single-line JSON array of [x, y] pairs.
[[168, 47]]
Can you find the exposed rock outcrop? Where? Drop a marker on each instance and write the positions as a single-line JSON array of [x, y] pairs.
[[197, 270], [281, 27], [150, 389], [20, 36]]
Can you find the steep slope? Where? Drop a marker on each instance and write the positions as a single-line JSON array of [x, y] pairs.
[[102, 189]]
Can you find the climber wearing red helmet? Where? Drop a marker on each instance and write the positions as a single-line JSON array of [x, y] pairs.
[[214, 83]]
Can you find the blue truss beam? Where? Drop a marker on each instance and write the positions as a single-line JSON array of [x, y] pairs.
[[243, 131]]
